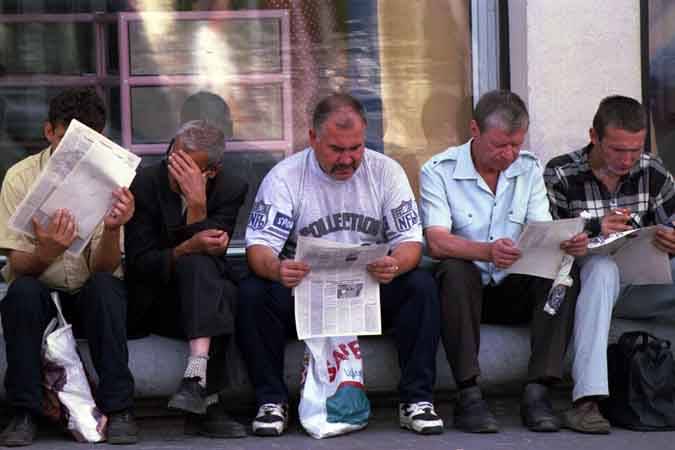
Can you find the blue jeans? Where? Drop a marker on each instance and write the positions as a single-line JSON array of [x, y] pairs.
[[602, 296]]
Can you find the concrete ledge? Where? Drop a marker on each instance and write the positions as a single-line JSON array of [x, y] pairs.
[[158, 363]]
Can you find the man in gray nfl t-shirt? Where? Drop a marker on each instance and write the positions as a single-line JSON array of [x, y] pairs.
[[338, 190]]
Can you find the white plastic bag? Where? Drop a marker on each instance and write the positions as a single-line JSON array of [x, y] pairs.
[[333, 400], [64, 375]]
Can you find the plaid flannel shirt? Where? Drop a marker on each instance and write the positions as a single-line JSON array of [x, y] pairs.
[[648, 190]]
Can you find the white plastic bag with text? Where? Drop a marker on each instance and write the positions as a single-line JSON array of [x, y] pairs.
[[333, 400]]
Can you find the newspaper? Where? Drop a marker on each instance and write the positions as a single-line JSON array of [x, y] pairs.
[[539, 244], [639, 261], [338, 297], [80, 176]]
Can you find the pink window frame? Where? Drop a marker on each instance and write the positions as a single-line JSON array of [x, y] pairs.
[[99, 80], [128, 81]]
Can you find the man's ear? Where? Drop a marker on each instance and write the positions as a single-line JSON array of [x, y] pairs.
[[313, 137], [49, 132], [594, 136], [474, 128]]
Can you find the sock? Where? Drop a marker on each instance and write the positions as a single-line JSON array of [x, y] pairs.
[[196, 367]]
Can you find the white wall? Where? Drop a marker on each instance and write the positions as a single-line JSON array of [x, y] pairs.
[[565, 57]]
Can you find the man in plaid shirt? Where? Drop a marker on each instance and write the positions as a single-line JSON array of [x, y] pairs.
[[621, 187]]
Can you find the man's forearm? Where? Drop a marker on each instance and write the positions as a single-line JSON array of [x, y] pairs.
[[33, 264], [108, 254], [264, 262], [451, 246], [195, 213], [407, 255]]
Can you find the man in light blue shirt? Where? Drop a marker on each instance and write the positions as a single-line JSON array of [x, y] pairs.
[[476, 200]]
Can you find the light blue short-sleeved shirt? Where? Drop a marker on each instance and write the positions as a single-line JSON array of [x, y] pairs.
[[456, 197]]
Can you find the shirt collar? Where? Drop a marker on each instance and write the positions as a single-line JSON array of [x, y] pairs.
[[465, 168]]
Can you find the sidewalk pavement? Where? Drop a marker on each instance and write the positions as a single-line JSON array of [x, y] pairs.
[[383, 433]]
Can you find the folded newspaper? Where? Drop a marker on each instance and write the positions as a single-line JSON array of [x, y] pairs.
[[338, 297], [81, 175], [639, 261], [539, 244]]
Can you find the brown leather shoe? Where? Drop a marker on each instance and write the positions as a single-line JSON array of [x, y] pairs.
[[585, 417]]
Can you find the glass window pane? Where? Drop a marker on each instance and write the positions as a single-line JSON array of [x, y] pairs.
[[218, 47], [22, 113], [51, 6], [256, 111], [47, 48]]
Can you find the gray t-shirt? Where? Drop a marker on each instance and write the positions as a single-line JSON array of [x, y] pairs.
[[376, 205]]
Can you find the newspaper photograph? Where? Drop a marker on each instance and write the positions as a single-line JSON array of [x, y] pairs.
[[338, 297], [639, 261], [539, 244], [83, 171]]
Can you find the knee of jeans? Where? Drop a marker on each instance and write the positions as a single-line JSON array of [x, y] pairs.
[[252, 296], [421, 285], [24, 296], [602, 267]]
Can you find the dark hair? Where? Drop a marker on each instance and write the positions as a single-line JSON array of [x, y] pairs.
[[208, 106], [620, 112], [82, 104], [328, 105], [502, 109]]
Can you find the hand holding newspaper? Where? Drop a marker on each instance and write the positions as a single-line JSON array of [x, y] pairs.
[[80, 176], [338, 297], [539, 244], [639, 261]]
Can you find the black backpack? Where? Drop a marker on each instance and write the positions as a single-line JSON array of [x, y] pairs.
[[641, 383]]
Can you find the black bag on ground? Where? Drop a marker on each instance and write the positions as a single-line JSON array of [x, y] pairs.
[[641, 383]]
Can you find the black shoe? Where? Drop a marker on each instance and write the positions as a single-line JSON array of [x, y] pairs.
[[122, 428], [190, 397], [536, 411], [20, 431], [216, 423], [472, 413]]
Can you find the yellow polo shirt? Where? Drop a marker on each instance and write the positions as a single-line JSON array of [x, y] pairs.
[[68, 272]]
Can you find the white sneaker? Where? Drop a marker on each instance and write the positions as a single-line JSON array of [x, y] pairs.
[[271, 420], [420, 417]]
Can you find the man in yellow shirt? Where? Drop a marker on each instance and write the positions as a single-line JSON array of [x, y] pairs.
[[90, 289]]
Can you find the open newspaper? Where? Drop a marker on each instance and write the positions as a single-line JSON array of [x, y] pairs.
[[539, 244], [80, 176], [639, 261], [338, 297]]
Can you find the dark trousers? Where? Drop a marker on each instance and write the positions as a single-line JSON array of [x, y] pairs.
[[196, 303], [409, 305], [518, 299], [97, 313]]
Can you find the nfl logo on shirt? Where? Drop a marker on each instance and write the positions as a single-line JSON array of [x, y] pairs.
[[258, 218], [405, 216]]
